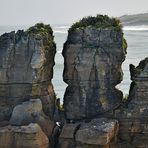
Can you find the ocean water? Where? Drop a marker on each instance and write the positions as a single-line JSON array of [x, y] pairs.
[[137, 39]]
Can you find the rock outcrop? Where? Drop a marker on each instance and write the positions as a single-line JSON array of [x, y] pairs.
[[26, 69], [30, 136], [134, 119], [31, 112], [93, 54], [96, 133], [96, 114], [27, 98]]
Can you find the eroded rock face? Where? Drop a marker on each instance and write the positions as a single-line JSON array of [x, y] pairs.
[[26, 69], [134, 119], [138, 95], [92, 68], [30, 136], [31, 112], [96, 133], [93, 55]]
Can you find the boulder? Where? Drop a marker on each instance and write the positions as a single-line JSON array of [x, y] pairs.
[[67, 136], [25, 113], [96, 133], [30, 136], [31, 112]]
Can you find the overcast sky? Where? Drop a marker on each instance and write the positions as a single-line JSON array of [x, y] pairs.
[[28, 12]]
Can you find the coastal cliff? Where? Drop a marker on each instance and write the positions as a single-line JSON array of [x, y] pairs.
[[26, 91], [96, 114]]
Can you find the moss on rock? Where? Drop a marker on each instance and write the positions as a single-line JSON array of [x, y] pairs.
[[40, 28], [100, 21]]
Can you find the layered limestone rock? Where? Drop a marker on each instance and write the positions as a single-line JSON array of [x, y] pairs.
[[30, 136], [26, 69], [31, 112], [93, 54], [138, 95], [134, 119], [95, 134], [27, 98]]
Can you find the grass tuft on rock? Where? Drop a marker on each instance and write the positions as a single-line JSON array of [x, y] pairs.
[[43, 30], [40, 28], [45, 33], [100, 21]]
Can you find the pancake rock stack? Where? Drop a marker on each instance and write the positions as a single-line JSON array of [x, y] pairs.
[[26, 91], [93, 54], [134, 119]]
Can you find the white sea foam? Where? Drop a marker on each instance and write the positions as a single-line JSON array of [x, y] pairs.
[[60, 31], [135, 28], [59, 50], [62, 27]]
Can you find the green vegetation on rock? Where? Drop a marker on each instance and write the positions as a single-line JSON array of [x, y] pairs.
[[46, 32], [100, 21], [40, 28], [124, 44]]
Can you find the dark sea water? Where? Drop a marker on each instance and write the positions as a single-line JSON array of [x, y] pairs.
[[137, 39]]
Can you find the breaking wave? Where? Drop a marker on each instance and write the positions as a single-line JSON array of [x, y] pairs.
[[135, 28], [60, 31]]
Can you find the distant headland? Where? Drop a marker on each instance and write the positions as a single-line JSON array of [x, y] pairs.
[[134, 20]]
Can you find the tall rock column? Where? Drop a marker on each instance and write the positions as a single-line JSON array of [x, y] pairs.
[[134, 119], [26, 69], [93, 54]]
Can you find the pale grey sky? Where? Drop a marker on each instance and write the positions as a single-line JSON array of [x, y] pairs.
[[26, 12]]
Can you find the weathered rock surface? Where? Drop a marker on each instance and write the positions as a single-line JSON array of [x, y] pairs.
[[27, 97], [134, 119], [97, 133], [67, 136], [26, 69], [30, 136], [138, 95], [92, 68], [31, 112]]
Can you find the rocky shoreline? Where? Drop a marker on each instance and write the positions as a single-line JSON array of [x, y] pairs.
[[95, 114]]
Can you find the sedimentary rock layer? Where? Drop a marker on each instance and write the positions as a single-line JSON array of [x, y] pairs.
[[97, 133], [93, 54], [30, 136], [32, 112], [26, 69], [134, 119]]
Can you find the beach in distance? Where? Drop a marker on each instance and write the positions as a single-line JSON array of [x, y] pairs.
[[136, 37]]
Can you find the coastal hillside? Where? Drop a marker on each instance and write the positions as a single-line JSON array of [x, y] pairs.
[[134, 20]]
